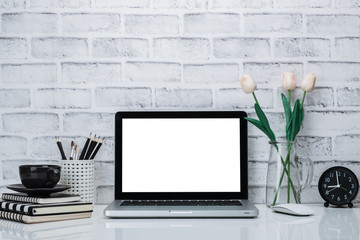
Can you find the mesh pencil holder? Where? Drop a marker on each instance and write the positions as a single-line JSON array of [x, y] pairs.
[[79, 175]]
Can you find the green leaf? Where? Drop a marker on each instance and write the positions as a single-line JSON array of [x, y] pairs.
[[295, 127], [287, 110], [258, 124], [264, 121]]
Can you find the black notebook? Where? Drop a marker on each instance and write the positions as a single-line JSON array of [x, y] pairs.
[[54, 198], [45, 209]]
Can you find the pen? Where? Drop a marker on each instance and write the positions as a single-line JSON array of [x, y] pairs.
[[91, 147], [83, 152], [76, 152], [97, 149], [63, 157]]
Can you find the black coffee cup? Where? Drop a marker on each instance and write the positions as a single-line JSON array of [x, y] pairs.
[[39, 176]]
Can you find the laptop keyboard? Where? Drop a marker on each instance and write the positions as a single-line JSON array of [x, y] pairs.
[[181, 203]]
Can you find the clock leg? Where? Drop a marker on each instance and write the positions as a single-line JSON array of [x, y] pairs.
[[350, 205], [326, 204]]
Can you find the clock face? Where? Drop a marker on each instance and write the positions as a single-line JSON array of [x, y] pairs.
[[338, 185]]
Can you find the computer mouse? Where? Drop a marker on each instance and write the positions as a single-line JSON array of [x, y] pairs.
[[293, 209]]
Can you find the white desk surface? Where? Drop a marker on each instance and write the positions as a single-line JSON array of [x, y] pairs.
[[327, 223]]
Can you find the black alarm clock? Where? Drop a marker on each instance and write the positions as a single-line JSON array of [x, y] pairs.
[[338, 186]]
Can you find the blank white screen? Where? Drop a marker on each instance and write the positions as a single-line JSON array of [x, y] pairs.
[[181, 155]]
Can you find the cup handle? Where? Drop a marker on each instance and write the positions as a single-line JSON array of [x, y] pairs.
[[304, 163]]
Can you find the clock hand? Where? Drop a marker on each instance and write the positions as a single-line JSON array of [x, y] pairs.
[[334, 186], [332, 189], [337, 178], [343, 188]]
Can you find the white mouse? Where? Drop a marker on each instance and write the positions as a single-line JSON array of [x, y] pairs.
[[293, 209]]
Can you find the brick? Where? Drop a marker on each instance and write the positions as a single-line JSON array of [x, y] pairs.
[[257, 173], [28, 73], [333, 24], [183, 98], [333, 72], [62, 98], [60, 3], [347, 4], [235, 98], [104, 173], [153, 72], [313, 146], [348, 97], [87, 23], [14, 98], [347, 48], [257, 195], [241, 47], [228, 4], [181, 4], [11, 4], [346, 146], [211, 73], [319, 97], [59, 47], [123, 97], [211, 23], [80, 122], [98, 72], [326, 120], [302, 47], [29, 23], [258, 148], [122, 3], [151, 24], [120, 47], [12, 146], [181, 48], [104, 194], [30, 122], [303, 4], [258, 3], [271, 72], [13, 48], [265, 22]]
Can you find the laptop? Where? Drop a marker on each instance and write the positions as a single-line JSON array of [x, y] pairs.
[[181, 164]]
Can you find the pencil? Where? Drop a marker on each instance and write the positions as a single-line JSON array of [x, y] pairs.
[[83, 152], [63, 157], [97, 149], [91, 147], [72, 150]]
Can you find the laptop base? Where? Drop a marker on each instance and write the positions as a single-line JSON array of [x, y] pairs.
[[245, 211]]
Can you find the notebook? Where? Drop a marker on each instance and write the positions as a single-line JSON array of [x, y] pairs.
[[181, 164]]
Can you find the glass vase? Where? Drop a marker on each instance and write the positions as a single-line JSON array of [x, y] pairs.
[[287, 174]]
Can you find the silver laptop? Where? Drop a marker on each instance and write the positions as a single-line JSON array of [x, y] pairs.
[[181, 164]]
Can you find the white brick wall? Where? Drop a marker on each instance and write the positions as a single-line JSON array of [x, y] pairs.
[[66, 66]]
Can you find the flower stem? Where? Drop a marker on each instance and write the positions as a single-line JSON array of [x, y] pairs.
[[302, 101], [253, 93], [289, 95], [284, 163]]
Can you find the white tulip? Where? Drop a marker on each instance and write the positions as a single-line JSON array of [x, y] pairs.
[[288, 82], [248, 84], [308, 84]]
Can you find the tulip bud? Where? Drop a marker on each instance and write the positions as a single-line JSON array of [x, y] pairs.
[[248, 84], [308, 84], [288, 82]]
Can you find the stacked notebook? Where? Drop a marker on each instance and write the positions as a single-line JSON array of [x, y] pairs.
[[21, 208]]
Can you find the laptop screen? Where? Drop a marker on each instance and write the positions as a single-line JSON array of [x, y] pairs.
[[181, 155], [180, 152]]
